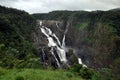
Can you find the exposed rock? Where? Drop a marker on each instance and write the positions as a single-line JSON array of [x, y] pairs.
[[94, 36]]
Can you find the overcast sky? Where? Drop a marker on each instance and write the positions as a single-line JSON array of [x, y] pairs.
[[43, 6]]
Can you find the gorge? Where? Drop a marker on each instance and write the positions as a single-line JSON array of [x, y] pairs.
[[89, 34], [55, 45], [75, 42]]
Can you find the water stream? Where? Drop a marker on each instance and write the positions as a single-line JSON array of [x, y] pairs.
[[54, 42]]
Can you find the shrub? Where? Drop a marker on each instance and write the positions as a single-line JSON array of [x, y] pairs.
[[82, 71], [2, 71], [76, 68], [69, 75], [86, 73], [19, 78]]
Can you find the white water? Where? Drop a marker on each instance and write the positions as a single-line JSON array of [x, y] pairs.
[[63, 42], [59, 46], [80, 62], [52, 43], [58, 26], [48, 30], [40, 23], [62, 54], [57, 39], [43, 31], [52, 52]]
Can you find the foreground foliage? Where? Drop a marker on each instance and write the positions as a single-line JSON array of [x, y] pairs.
[[37, 74], [75, 73], [92, 74]]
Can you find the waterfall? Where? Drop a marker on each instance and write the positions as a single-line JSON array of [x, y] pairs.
[[59, 43], [56, 45], [43, 31], [59, 46], [48, 30], [80, 62], [63, 42], [58, 27], [52, 52], [62, 54], [40, 23]]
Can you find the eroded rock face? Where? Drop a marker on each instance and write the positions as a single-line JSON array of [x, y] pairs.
[[76, 40], [94, 36], [85, 39], [51, 55], [39, 37]]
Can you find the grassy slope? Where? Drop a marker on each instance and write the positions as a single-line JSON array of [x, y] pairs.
[[37, 74]]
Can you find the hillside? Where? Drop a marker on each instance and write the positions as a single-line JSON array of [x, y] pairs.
[[95, 36], [16, 44]]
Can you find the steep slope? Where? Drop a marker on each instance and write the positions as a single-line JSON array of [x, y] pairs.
[[95, 36], [16, 45]]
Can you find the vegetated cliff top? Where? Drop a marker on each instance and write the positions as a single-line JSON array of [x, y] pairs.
[[65, 14], [13, 20], [115, 9], [15, 36]]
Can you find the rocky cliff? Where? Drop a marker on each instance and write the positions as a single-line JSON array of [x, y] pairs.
[[94, 36], [57, 31]]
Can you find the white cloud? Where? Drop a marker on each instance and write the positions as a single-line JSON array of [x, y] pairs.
[[42, 6]]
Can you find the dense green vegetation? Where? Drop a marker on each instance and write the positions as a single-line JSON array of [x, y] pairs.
[[76, 72], [16, 45], [37, 74], [97, 31]]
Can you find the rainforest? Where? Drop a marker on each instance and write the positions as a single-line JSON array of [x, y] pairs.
[[59, 45]]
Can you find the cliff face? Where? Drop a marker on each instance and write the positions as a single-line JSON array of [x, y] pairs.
[[94, 36], [41, 41], [39, 37]]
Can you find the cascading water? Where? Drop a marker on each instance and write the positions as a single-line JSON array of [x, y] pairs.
[[80, 62], [57, 45], [63, 42], [52, 52], [57, 39]]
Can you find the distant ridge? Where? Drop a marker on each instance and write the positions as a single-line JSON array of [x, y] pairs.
[[115, 9]]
